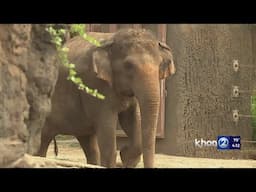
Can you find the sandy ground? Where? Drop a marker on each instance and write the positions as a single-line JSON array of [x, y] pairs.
[[73, 152]]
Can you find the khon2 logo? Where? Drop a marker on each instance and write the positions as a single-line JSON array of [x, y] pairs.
[[228, 142]]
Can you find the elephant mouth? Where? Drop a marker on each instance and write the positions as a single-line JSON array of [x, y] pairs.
[[127, 93]]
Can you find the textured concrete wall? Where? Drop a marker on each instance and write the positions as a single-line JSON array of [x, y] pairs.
[[199, 102]]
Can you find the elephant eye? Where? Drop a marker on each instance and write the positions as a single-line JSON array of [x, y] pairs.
[[128, 65]]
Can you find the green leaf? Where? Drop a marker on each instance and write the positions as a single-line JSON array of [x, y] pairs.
[[72, 72], [58, 39], [85, 36], [72, 78], [78, 80], [91, 39], [78, 28], [95, 92], [100, 96], [62, 31], [81, 86], [65, 49], [58, 43], [72, 66]]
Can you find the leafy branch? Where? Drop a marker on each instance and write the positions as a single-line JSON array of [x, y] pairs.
[[56, 35]]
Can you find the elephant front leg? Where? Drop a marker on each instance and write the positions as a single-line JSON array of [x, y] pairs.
[[106, 135], [130, 123]]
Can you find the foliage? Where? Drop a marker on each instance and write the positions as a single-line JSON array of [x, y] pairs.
[[57, 39], [80, 30]]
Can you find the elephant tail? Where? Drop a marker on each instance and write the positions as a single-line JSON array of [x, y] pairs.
[[55, 147]]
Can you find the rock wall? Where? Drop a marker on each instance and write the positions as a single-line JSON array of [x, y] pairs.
[[28, 73]]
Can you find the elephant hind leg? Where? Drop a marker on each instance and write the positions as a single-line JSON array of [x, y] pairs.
[[45, 142], [90, 147]]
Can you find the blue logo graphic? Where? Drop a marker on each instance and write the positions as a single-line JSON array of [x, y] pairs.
[[228, 142], [223, 142]]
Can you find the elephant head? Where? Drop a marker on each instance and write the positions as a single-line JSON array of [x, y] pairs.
[[133, 61]]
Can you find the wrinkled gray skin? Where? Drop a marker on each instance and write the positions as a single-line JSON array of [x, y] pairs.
[[126, 69]]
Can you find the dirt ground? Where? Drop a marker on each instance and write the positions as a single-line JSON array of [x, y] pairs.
[[72, 151]]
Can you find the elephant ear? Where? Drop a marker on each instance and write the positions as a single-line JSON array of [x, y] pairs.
[[167, 67], [101, 63]]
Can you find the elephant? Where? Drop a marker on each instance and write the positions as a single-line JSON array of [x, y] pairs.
[[126, 69]]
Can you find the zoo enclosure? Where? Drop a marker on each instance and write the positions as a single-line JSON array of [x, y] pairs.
[[197, 101]]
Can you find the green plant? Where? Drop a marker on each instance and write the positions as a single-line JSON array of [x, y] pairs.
[[80, 30], [57, 39]]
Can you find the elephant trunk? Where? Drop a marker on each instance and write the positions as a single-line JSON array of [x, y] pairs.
[[149, 100]]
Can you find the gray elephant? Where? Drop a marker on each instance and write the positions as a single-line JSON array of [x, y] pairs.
[[126, 68]]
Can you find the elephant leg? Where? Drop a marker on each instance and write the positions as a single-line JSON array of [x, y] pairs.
[[130, 123], [106, 134], [90, 148], [46, 139]]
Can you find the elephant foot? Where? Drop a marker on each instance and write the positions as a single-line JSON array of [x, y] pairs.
[[130, 157]]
